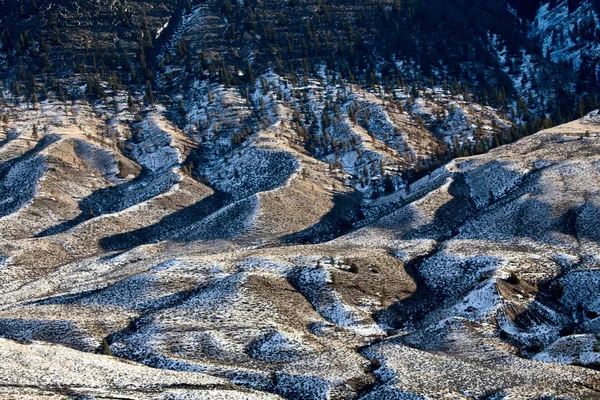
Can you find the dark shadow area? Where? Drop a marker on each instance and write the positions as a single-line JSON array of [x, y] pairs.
[[19, 177], [457, 278], [113, 199], [40, 146], [63, 226], [338, 221], [448, 217], [65, 333], [527, 9], [446, 221], [11, 134], [65, 299], [167, 227], [416, 306], [97, 296]]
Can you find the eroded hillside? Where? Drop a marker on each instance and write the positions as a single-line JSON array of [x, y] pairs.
[[119, 237], [300, 200]]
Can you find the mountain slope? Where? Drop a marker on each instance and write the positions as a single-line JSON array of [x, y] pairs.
[[482, 260], [330, 200]]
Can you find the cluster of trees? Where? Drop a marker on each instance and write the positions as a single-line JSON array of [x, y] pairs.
[[345, 35], [362, 42], [49, 43], [317, 139]]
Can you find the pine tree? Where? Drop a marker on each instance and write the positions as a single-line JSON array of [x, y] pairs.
[[581, 108], [105, 348], [57, 39], [149, 94], [45, 62], [129, 102], [249, 74]]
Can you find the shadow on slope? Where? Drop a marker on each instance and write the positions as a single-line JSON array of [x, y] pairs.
[[413, 308], [449, 216], [39, 147], [167, 227], [19, 176], [134, 292], [65, 333], [11, 134], [337, 222], [146, 185], [406, 222]]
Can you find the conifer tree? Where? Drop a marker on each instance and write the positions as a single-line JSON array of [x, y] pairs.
[[129, 102], [149, 94]]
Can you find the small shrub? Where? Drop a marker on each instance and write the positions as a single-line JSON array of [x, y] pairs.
[[105, 348], [556, 290], [513, 279]]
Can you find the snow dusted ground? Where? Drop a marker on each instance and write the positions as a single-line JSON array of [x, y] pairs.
[[188, 256], [40, 370], [506, 243], [473, 363], [363, 135], [563, 42]]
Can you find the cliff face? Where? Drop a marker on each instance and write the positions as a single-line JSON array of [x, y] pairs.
[[60, 37], [489, 47]]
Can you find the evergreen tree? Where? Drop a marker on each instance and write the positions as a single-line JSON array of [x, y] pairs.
[[105, 348], [129, 102], [249, 74], [149, 93]]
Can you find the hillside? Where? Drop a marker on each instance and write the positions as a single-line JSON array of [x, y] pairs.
[[300, 200], [399, 72], [115, 247]]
